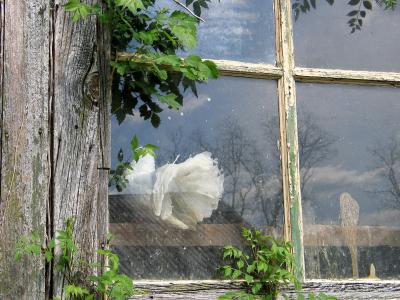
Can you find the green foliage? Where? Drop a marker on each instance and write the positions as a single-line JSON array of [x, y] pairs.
[[154, 77], [117, 176], [357, 14], [198, 5], [78, 285], [264, 268]]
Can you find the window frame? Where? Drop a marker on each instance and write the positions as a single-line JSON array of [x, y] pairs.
[[286, 73]]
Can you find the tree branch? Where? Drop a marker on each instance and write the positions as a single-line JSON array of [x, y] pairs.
[[189, 10]]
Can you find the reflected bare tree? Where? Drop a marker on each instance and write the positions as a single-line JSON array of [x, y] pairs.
[[253, 182], [388, 159], [315, 145], [235, 153], [176, 146]]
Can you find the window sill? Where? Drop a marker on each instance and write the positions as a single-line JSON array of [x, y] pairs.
[[211, 289]]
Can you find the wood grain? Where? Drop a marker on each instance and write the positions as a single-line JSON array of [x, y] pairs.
[[80, 132], [210, 290], [288, 134], [25, 165], [347, 77], [55, 137]]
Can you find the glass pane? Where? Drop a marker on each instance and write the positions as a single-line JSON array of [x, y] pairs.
[[235, 119], [236, 30], [322, 38], [350, 166]]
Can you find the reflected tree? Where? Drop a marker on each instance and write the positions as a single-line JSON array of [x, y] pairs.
[[238, 156], [388, 158], [315, 145], [177, 147], [253, 183]]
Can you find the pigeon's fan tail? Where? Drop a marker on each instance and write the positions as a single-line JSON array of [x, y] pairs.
[[141, 177], [186, 193]]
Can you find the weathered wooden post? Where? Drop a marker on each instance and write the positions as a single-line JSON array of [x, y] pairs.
[[54, 96]]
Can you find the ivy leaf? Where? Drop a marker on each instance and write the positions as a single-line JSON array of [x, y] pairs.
[[236, 274], [183, 26], [367, 4], [256, 288], [240, 264], [48, 255], [170, 100], [134, 143], [75, 291], [132, 5], [155, 120], [249, 279], [81, 10], [120, 67], [120, 155]]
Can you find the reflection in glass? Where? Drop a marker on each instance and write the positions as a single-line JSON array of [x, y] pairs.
[[236, 30], [236, 121], [322, 39], [349, 143]]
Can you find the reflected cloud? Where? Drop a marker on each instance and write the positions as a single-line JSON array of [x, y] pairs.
[[339, 175], [331, 45], [382, 218]]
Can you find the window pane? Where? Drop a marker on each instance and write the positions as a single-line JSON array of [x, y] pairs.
[[236, 30], [350, 165], [236, 120], [322, 38]]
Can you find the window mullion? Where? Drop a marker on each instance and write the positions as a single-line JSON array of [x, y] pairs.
[[226, 67], [288, 131], [313, 75]]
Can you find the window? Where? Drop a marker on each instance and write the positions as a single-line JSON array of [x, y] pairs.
[[309, 154]]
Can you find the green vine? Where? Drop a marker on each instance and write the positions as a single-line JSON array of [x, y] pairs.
[[154, 77], [117, 176], [79, 285], [264, 266]]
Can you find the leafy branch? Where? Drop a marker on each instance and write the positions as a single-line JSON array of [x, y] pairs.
[[79, 286], [264, 268], [189, 10], [155, 77], [118, 176]]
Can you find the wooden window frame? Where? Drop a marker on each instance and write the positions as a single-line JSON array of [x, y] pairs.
[[287, 74]]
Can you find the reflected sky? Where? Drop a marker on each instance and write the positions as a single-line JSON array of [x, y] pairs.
[[233, 119], [240, 30], [363, 126], [322, 39]]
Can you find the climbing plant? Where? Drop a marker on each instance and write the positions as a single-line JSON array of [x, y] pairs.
[[155, 77], [78, 285]]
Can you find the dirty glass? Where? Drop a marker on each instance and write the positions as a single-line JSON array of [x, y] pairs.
[[236, 30], [323, 38], [349, 144], [234, 119]]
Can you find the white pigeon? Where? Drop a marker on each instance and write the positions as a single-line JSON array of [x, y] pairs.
[[180, 194]]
